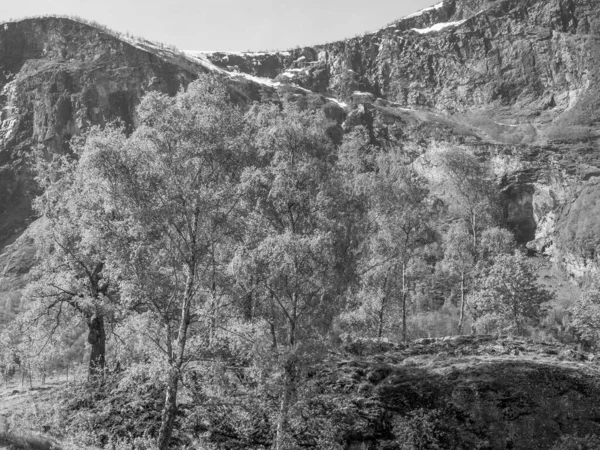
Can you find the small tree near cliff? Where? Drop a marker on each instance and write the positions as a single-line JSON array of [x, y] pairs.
[[470, 190], [400, 215], [585, 323], [508, 299], [459, 259]]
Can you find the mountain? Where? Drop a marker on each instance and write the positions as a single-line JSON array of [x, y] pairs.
[[514, 82]]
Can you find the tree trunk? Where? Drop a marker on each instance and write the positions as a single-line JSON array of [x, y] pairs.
[[404, 334], [474, 229], [176, 361], [462, 303], [97, 339], [382, 309], [286, 399], [289, 379], [248, 303], [169, 411]]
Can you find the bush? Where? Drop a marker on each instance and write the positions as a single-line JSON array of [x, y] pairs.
[[426, 429]]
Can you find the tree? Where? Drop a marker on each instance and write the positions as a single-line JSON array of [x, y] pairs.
[[470, 189], [400, 215], [165, 201], [69, 274], [508, 297], [494, 242], [463, 260], [585, 323], [459, 258], [293, 203]]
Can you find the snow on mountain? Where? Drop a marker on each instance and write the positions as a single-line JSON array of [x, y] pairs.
[[438, 27]]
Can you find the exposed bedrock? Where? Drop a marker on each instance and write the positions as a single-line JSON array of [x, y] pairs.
[[57, 78]]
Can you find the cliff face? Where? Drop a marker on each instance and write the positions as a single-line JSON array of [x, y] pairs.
[[515, 79], [535, 57], [518, 78], [57, 78]]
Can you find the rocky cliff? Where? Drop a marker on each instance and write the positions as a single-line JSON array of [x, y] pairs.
[[528, 59], [57, 78], [515, 81]]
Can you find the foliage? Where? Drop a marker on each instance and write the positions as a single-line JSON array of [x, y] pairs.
[[471, 194], [585, 322], [426, 429], [508, 298]]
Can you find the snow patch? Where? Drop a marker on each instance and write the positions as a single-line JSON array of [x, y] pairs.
[[439, 27], [264, 81], [251, 54]]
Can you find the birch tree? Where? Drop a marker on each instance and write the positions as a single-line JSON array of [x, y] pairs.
[[400, 215], [291, 197], [165, 208]]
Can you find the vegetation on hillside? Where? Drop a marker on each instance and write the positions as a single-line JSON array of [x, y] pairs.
[[215, 257]]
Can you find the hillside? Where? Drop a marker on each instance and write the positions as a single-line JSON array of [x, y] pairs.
[[299, 214]]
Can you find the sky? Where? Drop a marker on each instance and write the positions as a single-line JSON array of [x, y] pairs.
[[234, 25]]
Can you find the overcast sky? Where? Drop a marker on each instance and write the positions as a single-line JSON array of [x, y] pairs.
[[236, 25]]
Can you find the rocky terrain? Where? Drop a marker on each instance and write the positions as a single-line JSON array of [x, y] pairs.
[[499, 393]]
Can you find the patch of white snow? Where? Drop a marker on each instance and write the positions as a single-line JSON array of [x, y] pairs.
[[252, 54], [439, 27]]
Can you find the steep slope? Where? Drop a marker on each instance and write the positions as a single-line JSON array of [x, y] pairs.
[[515, 81], [59, 77], [532, 59]]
